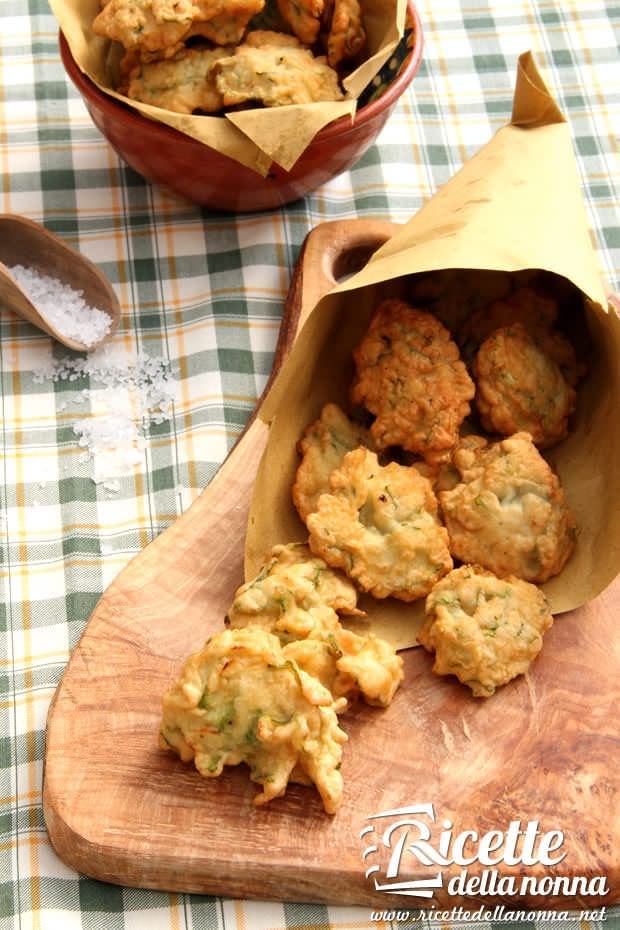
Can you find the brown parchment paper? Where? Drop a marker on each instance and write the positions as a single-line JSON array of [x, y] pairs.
[[253, 137], [515, 205]]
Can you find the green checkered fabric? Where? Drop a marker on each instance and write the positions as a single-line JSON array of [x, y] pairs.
[[205, 291]]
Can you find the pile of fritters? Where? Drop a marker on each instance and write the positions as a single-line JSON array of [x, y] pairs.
[[201, 56], [268, 691], [490, 503]]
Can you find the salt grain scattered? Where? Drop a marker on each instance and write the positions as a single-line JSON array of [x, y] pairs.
[[63, 307], [128, 393], [100, 433]]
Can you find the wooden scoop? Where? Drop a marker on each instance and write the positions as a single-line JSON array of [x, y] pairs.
[[23, 242]]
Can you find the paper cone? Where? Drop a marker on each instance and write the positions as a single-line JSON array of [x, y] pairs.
[[515, 205]]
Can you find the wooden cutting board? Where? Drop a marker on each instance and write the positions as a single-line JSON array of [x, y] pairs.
[[546, 748]]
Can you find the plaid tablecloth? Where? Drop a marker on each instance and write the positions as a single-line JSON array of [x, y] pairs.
[[205, 291]]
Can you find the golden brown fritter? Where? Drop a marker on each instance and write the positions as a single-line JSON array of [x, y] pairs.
[[349, 665], [151, 25], [483, 629], [161, 25], [276, 77], [220, 12], [508, 513], [380, 525], [295, 596], [304, 18], [182, 84], [519, 388], [371, 663], [410, 376], [346, 36], [242, 700], [536, 311], [323, 447]]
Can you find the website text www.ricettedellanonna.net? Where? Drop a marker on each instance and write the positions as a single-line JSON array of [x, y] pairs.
[[500, 912]]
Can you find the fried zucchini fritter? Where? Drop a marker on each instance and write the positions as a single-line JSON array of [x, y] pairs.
[[345, 32], [521, 389], [537, 312], [410, 376], [151, 25], [508, 512], [323, 447], [350, 665], [483, 629], [304, 18], [371, 663], [380, 525], [295, 596], [276, 76], [182, 84], [161, 25], [241, 700]]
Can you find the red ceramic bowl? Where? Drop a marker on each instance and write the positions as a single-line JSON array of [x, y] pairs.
[[200, 174]]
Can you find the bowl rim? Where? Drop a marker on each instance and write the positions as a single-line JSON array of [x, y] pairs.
[[125, 112], [394, 90]]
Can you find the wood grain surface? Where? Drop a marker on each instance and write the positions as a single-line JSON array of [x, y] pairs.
[[545, 748]]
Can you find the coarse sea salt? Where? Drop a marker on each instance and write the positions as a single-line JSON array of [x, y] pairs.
[[63, 307], [128, 392]]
